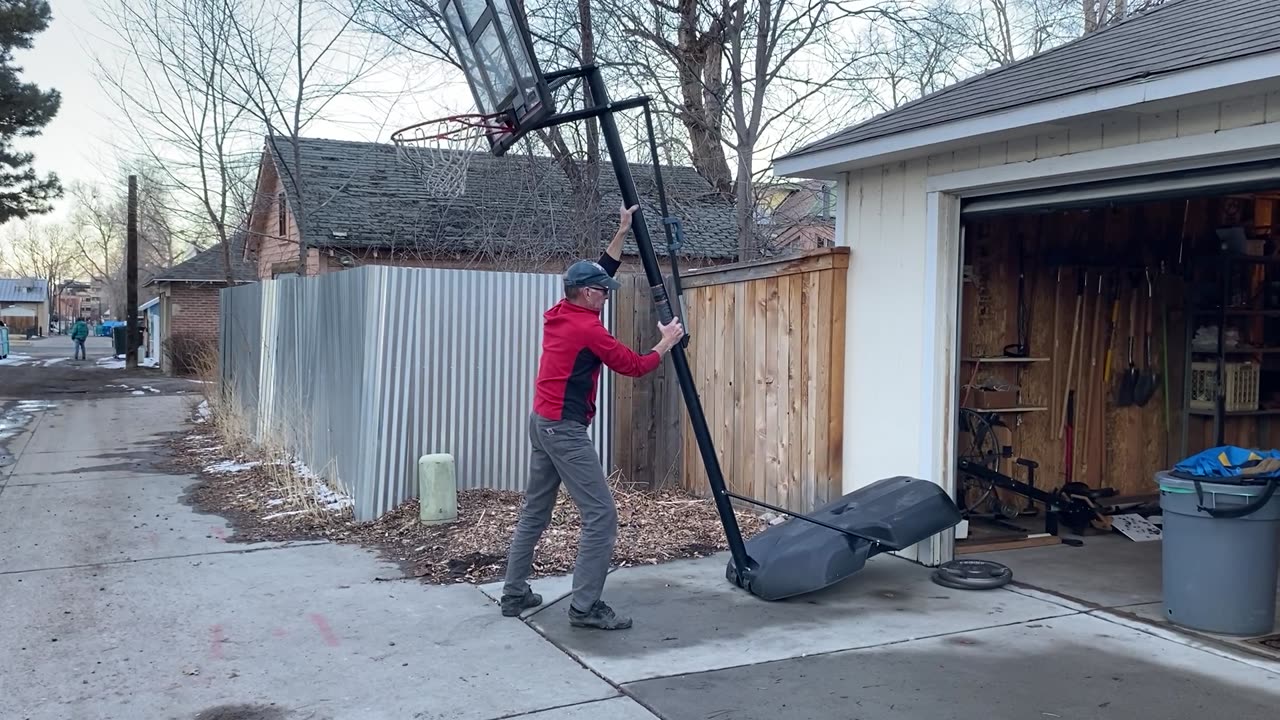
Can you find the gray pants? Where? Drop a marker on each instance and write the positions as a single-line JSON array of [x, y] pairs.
[[80, 354], [562, 452]]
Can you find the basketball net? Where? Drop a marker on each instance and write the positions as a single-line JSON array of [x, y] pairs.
[[440, 151]]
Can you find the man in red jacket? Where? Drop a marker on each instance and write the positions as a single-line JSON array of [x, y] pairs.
[[574, 345]]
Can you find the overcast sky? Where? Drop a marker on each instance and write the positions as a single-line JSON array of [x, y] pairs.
[[80, 142]]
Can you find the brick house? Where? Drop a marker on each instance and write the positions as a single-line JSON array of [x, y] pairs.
[[365, 204], [188, 296]]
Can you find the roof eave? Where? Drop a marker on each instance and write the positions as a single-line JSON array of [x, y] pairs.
[[828, 163], [154, 281]]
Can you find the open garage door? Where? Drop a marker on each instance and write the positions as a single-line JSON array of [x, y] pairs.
[[1250, 177]]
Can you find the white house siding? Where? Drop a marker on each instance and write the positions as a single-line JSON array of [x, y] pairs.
[[885, 230]]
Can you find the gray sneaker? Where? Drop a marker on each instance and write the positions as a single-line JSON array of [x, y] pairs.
[[513, 605], [600, 616]]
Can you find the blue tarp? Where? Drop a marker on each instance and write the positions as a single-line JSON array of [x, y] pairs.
[[1227, 461]]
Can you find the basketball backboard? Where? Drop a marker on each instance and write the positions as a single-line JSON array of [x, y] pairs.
[[495, 49]]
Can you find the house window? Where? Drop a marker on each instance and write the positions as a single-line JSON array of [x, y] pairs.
[[282, 216]]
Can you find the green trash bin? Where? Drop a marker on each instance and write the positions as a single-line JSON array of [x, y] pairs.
[[1221, 553], [119, 334]]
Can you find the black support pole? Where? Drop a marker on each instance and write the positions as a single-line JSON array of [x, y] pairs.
[[626, 185]]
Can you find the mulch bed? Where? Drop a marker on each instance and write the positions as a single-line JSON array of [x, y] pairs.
[[653, 526]]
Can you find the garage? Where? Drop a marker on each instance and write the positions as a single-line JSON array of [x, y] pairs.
[[1013, 236], [1089, 338]]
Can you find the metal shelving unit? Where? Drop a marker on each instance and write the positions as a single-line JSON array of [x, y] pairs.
[[1227, 306]]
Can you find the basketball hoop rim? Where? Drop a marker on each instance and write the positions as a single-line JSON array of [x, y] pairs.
[[455, 124]]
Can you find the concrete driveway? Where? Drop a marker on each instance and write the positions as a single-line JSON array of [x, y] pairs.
[[121, 602]]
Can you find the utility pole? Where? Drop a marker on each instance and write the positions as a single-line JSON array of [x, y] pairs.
[[131, 279]]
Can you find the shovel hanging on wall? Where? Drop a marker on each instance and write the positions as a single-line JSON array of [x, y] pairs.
[[1145, 387], [1129, 377]]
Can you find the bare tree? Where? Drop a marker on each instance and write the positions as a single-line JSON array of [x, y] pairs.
[[999, 32], [738, 74], [287, 63], [41, 250], [1101, 13], [99, 231], [564, 34], [176, 90]]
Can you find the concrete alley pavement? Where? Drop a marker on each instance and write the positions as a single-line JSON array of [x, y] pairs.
[[121, 602]]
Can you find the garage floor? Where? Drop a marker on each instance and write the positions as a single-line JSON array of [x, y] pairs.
[[1113, 572]]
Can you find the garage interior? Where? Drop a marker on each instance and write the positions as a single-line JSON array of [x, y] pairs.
[[1089, 351]]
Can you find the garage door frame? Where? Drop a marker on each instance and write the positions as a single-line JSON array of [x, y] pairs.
[[945, 195]]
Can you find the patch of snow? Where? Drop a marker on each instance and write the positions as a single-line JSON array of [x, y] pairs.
[[331, 499], [137, 392], [35, 405], [283, 514], [273, 503], [302, 470], [228, 466], [204, 411], [111, 363], [15, 359], [149, 362], [54, 361], [148, 388]]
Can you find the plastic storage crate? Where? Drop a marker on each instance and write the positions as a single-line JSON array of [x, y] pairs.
[[1241, 386]]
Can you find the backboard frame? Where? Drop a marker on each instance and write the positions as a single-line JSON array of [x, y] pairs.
[[528, 102]]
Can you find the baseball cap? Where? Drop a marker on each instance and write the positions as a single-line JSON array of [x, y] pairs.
[[586, 273]]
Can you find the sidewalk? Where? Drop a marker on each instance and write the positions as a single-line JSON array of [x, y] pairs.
[[121, 602]]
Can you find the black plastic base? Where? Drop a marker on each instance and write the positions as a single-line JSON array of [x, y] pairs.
[[798, 557]]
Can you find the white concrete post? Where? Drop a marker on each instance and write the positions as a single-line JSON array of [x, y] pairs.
[[437, 490]]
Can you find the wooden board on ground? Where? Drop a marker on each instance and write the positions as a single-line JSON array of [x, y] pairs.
[[971, 548]]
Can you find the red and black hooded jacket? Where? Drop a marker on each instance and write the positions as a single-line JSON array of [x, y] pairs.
[[574, 344]]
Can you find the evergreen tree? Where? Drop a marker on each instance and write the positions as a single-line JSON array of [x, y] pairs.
[[24, 111]]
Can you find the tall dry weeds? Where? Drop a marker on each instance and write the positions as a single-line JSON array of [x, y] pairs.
[[300, 489]]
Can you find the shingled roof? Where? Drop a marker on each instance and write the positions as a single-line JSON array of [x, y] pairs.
[[208, 266], [365, 195], [1176, 35]]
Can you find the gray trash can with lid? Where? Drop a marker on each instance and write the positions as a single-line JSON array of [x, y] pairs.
[[1221, 553]]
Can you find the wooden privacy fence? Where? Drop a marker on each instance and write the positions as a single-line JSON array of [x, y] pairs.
[[647, 412], [767, 354]]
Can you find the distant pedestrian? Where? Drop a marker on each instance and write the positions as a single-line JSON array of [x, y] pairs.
[[79, 333], [574, 345]]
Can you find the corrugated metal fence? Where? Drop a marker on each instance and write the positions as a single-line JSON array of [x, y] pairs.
[[361, 372]]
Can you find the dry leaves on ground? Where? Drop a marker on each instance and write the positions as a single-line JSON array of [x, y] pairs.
[[653, 526]]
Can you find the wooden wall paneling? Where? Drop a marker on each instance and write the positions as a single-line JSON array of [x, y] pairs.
[[1117, 447], [641, 430], [768, 424], [806, 386], [624, 330], [832, 408], [828, 416], [785, 382], [767, 353]]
